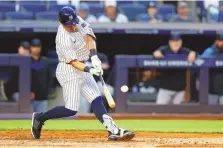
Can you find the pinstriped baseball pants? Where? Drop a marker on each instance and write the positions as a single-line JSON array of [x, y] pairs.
[[74, 84]]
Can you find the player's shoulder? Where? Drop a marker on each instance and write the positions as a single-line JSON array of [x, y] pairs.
[[60, 28], [61, 33]]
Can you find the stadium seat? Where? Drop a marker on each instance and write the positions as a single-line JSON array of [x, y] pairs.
[[33, 7], [7, 7], [31, 2], [96, 9], [56, 7], [119, 2], [52, 3], [221, 16], [143, 17], [167, 9], [19, 16], [48, 15], [7, 2], [168, 17], [215, 17], [90, 2], [1, 16], [146, 3], [132, 10]]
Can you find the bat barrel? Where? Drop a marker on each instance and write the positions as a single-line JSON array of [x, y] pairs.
[[112, 105]]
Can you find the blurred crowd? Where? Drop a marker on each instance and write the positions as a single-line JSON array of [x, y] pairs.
[[120, 11]]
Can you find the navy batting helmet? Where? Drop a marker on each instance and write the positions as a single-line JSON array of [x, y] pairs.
[[67, 16]]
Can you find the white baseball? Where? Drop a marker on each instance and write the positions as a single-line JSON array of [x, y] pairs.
[[124, 88]]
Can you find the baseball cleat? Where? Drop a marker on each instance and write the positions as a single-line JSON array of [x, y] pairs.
[[36, 126], [122, 135]]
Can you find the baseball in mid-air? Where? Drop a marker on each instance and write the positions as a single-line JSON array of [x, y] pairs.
[[124, 88]]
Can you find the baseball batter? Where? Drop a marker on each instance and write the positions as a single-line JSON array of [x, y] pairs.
[[75, 43]]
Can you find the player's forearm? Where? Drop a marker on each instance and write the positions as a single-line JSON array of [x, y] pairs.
[[78, 65], [91, 45], [82, 67]]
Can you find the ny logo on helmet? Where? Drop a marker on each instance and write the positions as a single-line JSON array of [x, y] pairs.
[[70, 17]]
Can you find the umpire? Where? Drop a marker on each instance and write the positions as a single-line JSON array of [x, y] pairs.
[[173, 81]]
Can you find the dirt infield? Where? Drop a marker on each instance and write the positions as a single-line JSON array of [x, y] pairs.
[[75, 139], [99, 139]]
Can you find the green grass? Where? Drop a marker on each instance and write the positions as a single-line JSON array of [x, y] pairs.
[[199, 126]]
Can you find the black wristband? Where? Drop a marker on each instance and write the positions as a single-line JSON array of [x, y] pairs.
[[87, 69], [93, 52]]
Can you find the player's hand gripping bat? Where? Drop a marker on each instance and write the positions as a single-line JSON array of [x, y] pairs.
[[108, 96]]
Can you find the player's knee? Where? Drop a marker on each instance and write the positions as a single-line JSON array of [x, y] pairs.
[[70, 110], [73, 112], [97, 100]]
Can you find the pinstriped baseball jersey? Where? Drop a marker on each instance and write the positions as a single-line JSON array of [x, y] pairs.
[[72, 46]]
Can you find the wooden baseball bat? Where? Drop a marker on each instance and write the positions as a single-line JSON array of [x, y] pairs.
[[108, 96]]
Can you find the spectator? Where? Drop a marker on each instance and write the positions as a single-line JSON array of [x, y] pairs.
[[173, 81], [152, 14], [24, 48], [40, 79], [216, 75], [83, 12], [111, 13], [12, 85], [183, 14], [148, 84], [212, 8], [216, 49]]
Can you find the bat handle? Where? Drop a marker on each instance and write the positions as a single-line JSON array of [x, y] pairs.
[[101, 78]]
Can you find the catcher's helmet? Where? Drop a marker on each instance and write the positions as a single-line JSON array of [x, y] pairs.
[[67, 16]]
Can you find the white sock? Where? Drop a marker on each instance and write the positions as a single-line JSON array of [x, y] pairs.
[[110, 124]]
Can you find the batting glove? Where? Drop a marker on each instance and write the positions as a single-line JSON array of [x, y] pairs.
[[96, 63], [96, 72]]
